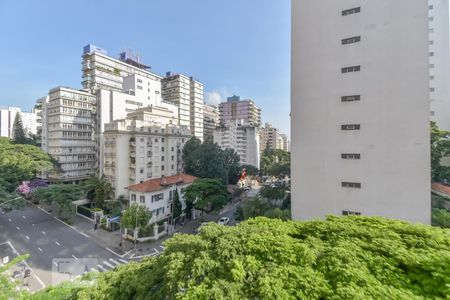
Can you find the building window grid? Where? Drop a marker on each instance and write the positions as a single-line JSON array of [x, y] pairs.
[[350, 69], [351, 127], [350, 213], [351, 40], [350, 98], [355, 185], [351, 11], [350, 156]]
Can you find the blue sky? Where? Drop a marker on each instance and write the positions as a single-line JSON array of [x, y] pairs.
[[233, 46]]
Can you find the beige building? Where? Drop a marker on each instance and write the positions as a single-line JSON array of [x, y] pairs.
[[68, 133], [272, 138], [187, 94], [147, 144], [236, 109], [359, 115], [210, 120]]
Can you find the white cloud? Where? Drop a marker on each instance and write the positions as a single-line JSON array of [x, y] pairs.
[[216, 96]]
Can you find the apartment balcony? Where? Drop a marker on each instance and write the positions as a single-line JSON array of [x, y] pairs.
[[132, 166], [149, 175], [132, 177], [132, 144], [149, 154], [132, 154]]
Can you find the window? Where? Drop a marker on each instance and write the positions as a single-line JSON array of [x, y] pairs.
[[351, 69], [351, 98], [351, 127], [431, 53], [162, 168], [162, 149], [133, 197], [351, 156], [162, 140], [139, 87], [162, 158], [157, 197], [432, 89], [141, 171], [142, 199], [172, 158], [351, 11], [355, 185], [350, 213], [139, 80], [430, 6], [431, 42], [351, 40]]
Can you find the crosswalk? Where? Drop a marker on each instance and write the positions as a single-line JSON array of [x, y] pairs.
[[109, 264]]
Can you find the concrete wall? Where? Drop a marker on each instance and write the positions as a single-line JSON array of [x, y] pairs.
[[394, 169]]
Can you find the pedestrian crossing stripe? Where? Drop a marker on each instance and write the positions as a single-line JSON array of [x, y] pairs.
[[114, 262], [101, 268], [123, 261], [108, 264]]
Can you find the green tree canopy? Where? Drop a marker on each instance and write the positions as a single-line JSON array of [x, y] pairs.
[[341, 258], [206, 194], [136, 216], [275, 162], [18, 133], [177, 208], [440, 147], [100, 190], [250, 170]]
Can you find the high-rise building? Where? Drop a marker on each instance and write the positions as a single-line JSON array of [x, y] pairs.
[[69, 133], [187, 94], [243, 138], [210, 120], [285, 141], [8, 116], [147, 144], [268, 137], [439, 62], [236, 109], [359, 115]]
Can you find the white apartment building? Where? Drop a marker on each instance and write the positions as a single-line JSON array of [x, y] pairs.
[[359, 115], [187, 94], [439, 62], [210, 120], [7, 117], [236, 109], [243, 138], [158, 194], [147, 144], [68, 133]]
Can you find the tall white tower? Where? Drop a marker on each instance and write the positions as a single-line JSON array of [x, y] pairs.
[[360, 109]]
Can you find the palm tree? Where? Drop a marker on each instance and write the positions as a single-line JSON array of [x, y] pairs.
[[99, 188]]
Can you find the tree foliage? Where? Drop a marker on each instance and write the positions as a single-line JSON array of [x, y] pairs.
[[177, 207], [275, 163], [20, 163], [136, 216], [99, 189], [341, 258], [208, 160], [441, 218], [18, 133], [250, 170], [440, 147], [206, 194]]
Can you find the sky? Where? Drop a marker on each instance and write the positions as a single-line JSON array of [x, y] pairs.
[[237, 47]]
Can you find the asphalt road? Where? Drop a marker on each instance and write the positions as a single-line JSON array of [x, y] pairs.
[[54, 247]]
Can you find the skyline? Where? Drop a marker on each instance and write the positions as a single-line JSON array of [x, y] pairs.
[[234, 60]]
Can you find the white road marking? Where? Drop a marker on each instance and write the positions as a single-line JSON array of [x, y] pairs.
[[123, 261], [101, 267], [115, 252], [9, 219], [162, 247], [94, 270], [27, 237], [108, 264], [74, 257], [114, 262], [18, 228], [39, 249], [43, 232], [33, 224], [83, 234], [24, 217], [56, 242]]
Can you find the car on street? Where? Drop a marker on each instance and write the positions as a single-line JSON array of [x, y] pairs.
[[223, 221]]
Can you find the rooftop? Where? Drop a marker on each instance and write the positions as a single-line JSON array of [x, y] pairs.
[[159, 184]]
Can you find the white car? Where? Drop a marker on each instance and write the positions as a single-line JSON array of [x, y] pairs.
[[223, 221]]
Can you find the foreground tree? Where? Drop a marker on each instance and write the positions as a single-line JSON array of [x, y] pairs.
[[206, 194], [340, 258]]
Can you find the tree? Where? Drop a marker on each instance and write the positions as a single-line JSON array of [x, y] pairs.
[[350, 257], [10, 201], [10, 289], [232, 166], [190, 160], [135, 217], [206, 194], [100, 190], [18, 133], [440, 217], [177, 208], [440, 147], [275, 163], [250, 170]]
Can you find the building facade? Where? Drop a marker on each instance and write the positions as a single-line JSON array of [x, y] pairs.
[[8, 116], [236, 109], [243, 138], [360, 125], [158, 194], [69, 133], [210, 120], [147, 144], [439, 62]]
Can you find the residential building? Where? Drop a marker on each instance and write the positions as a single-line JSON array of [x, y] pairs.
[[68, 133], [8, 116], [210, 120], [187, 94], [439, 45], [360, 125], [285, 142], [269, 137], [243, 138], [158, 194], [236, 109], [147, 144], [101, 71]]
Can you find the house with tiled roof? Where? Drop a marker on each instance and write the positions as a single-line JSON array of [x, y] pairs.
[[158, 194]]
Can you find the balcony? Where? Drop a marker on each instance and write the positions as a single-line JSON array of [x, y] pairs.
[[132, 166], [132, 154], [132, 144]]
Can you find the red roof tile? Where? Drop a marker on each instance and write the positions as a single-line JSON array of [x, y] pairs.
[[440, 188], [158, 184]]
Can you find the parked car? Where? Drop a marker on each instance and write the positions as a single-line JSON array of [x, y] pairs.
[[224, 221]]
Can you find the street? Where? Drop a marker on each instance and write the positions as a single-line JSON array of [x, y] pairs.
[[50, 243]]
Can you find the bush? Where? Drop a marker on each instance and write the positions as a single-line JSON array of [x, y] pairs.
[[441, 218]]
